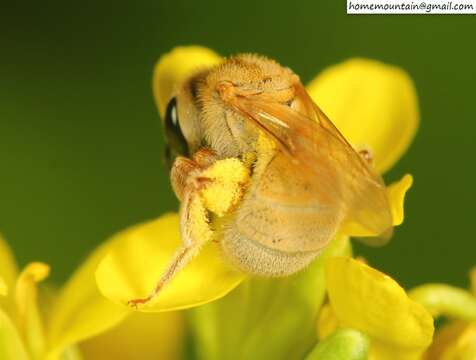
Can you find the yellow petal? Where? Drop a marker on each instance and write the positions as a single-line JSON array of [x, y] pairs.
[[327, 322], [9, 273], [11, 346], [465, 346], [472, 279], [80, 310], [174, 67], [138, 257], [148, 336], [372, 302], [29, 319], [456, 342], [396, 197], [447, 339], [72, 352], [445, 300], [3, 287], [384, 351], [8, 267], [373, 104]]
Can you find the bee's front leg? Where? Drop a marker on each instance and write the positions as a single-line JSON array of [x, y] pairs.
[[187, 181], [185, 172]]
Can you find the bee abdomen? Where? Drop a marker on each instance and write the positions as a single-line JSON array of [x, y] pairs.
[[254, 258]]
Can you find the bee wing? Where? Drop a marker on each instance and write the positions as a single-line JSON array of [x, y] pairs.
[[315, 146]]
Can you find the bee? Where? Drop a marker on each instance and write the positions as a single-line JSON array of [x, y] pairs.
[[299, 194]]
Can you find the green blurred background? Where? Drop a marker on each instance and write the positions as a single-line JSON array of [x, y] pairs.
[[81, 142]]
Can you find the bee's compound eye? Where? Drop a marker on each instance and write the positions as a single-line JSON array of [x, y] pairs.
[[172, 116], [175, 139], [167, 157]]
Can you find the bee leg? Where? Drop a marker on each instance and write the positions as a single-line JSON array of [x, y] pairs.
[[191, 246], [205, 157], [181, 258], [185, 169], [367, 155], [188, 183]]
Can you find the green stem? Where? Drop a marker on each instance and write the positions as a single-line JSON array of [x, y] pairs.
[[445, 300]]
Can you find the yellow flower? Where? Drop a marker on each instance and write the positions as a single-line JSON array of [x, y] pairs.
[[367, 300], [139, 336], [373, 104], [138, 256], [455, 340], [37, 325], [266, 318]]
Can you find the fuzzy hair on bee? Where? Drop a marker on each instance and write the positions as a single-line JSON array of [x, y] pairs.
[[305, 179]]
